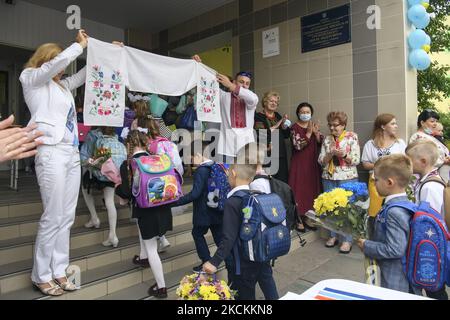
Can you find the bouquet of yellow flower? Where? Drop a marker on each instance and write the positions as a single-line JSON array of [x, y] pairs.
[[201, 286], [343, 210]]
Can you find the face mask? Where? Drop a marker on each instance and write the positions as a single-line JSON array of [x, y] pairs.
[[428, 131], [305, 117]]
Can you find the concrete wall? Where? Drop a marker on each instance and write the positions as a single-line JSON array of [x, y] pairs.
[[26, 25]]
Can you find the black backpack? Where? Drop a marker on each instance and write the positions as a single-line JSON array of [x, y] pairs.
[[284, 191]]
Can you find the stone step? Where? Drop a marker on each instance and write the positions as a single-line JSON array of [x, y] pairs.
[[115, 276], [33, 206], [16, 275], [24, 226], [21, 248]]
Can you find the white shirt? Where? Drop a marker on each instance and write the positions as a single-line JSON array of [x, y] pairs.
[[372, 153], [230, 194], [432, 192], [392, 196], [49, 105], [233, 139], [261, 184]]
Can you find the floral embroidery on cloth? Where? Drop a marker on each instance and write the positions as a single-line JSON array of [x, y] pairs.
[[106, 98]]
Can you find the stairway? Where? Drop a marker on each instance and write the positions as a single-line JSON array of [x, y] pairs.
[[106, 273]]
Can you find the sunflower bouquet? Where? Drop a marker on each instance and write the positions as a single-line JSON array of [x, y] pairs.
[[201, 286], [343, 210]]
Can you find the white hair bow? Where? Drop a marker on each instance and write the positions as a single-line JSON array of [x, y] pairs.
[[143, 130], [137, 97]]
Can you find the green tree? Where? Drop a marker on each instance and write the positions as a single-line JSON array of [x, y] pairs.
[[434, 83]]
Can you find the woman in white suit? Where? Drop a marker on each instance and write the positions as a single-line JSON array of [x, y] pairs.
[[58, 172]]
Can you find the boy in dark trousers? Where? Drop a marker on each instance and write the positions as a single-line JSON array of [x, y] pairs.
[[204, 218], [251, 273], [391, 232]]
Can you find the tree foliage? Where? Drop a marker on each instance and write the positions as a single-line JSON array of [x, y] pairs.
[[434, 83]]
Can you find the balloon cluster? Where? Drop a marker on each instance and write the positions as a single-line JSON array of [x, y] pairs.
[[418, 40]]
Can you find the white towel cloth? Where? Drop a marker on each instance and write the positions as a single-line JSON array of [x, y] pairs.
[[110, 68]]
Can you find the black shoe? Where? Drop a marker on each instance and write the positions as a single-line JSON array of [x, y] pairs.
[[198, 268], [157, 293], [141, 262]]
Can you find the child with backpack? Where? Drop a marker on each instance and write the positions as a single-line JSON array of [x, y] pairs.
[[239, 230], [204, 217], [97, 178], [430, 187], [152, 221], [392, 226]]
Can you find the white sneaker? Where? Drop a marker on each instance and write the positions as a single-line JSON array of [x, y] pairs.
[[111, 242], [92, 224], [163, 244]]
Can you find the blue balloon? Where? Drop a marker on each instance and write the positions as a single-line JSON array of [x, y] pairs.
[[428, 40], [419, 59], [417, 13], [422, 23], [417, 39]]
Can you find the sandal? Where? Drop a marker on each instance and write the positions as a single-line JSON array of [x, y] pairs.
[[54, 289], [345, 245], [331, 243], [66, 285]]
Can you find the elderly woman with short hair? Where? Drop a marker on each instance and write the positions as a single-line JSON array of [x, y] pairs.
[[339, 156]]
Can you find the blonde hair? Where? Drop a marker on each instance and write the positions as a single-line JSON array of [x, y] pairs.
[[43, 54], [423, 149], [141, 108], [153, 128], [268, 95], [397, 167], [246, 162]]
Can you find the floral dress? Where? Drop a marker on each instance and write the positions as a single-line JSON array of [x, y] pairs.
[[339, 169]]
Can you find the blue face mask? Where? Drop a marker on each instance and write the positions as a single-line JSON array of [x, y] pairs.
[[305, 117], [428, 131]]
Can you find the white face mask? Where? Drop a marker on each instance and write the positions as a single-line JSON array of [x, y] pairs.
[[305, 117]]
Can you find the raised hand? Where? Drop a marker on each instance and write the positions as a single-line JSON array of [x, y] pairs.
[[197, 58], [82, 38]]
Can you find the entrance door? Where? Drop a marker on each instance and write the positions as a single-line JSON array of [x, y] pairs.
[[4, 105]]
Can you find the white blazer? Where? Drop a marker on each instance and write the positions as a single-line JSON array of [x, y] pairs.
[[49, 105]]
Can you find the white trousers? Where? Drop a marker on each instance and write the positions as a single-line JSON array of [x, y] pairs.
[[58, 174]]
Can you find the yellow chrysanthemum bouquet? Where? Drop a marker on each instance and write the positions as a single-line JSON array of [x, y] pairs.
[[342, 210], [201, 286]]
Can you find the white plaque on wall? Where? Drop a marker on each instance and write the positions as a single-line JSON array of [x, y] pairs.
[[271, 42]]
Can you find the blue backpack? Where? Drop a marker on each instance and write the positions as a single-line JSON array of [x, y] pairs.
[[218, 186], [263, 234], [426, 263]]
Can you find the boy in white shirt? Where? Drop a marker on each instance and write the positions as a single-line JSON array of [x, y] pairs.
[[430, 188]]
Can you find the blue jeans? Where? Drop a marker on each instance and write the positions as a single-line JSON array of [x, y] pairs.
[[257, 272], [329, 185]]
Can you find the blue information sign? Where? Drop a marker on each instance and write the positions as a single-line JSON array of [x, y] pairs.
[[326, 29]]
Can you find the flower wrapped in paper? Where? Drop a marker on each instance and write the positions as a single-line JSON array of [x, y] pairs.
[[201, 286], [343, 210]]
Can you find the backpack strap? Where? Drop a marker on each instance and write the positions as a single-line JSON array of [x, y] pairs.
[[437, 179]]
